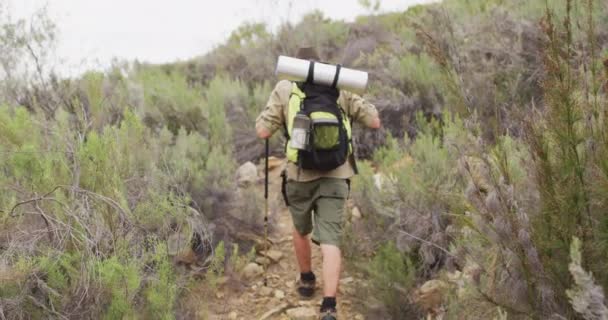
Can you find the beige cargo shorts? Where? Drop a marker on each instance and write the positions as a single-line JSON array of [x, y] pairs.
[[318, 207]]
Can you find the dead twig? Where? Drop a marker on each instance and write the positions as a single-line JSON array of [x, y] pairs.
[[45, 308], [46, 221], [275, 311], [2, 316], [444, 250], [44, 197], [111, 202], [107, 200]]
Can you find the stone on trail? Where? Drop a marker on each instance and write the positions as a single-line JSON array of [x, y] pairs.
[[284, 265], [269, 315], [265, 291], [274, 255], [233, 315], [308, 303], [260, 245], [430, 295], [279, 294], [274, 162], [379, 180], [247, 174], [302, 313], [262, 261], [252, 270], [355, 213]]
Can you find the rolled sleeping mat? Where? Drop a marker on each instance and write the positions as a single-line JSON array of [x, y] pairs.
[[297, 70]]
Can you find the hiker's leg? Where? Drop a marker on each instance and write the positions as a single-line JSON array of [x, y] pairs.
[[329, 224], [300, 196], [301, 244], [332, 264]]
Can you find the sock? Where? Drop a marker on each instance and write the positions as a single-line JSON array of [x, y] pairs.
[[328, 303], [308, 276]]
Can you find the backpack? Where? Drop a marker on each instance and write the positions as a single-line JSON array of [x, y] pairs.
[[329, 144]]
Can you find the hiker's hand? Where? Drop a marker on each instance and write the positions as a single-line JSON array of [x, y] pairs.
[[262, 132], [375, 123]]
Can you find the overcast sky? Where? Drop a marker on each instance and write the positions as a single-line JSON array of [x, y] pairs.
[[92, 32]]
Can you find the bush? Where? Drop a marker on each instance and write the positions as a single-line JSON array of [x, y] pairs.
[[170, 101], [123, 281], [392, 274], [161, 292], [86, 214]]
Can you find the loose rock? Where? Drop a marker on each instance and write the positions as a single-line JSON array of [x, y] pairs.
[[274, 255], [274, 311], [274, 162], [378, 181], [430, 295], [252, 270], [262, 261], [355, 213], [346, 281], [279, 294], [265, 291], [233, 315], [247, 174], [302, 313]]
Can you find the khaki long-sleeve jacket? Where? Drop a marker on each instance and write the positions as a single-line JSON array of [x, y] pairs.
[[273, 118]]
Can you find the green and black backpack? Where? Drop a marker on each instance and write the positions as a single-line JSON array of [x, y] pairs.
[[329, 143]]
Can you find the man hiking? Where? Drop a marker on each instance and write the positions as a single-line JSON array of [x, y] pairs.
[[317, 178]]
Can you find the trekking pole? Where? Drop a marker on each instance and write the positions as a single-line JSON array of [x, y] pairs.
[[266, 214]]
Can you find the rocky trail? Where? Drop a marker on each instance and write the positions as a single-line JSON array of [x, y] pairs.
[[248, 298]]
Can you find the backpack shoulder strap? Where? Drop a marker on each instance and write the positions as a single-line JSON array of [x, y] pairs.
[[295, 91]]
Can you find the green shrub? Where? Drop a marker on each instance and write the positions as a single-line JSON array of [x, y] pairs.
[[217, 266], [219, 95], [392, 274], [171, 102], [161, 291], [122, 280], [420, 70]]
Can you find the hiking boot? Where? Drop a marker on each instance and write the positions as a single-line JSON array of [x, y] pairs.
[[329, 314], [306, 288]]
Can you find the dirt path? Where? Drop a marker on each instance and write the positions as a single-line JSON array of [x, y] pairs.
[[251, 300]]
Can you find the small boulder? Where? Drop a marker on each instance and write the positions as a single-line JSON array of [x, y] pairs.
[[233, 315], [290, 284], [430, 295], [274, 255], [266, 291], [252, 270], [279, 294], [262, 261], [284, 265], [355, 213], [379, 180], [247, 174], [302, 313], [274, 162]]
